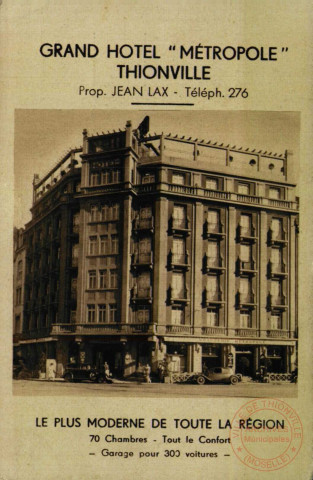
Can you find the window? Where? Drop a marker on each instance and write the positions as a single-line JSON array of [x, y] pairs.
[[92, 245], [73, 316], [148, 178], [274, 193], [94, 178], [113, 279], [276, 257], [93, 213], [244, 188], [104, 244], [18, 296], [245, 319], [113, 312], [178, 285], [179, 216], [212, 317], [143, 315], [116, 176], [105, 213], [213, 253], [276, 227], [145, 212], [245, 289], [145, 249], [19, 270], [212, 287], [115, 211], [178, 316], [102, 313], [276, 289], [178, 178], [276, 321], [76, 223], [245, 253], [178, 250], [245, 224], [91, 313], [144, 285], [103, 279], [105, 177], [211, 183], [213, 221], [73, 285], [145, 217], [114, 244], [92, 279]]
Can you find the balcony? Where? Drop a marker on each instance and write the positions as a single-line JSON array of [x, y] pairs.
[[277, 301], [246, 332], [245, 300], [102, 328], [177, 297], [212, 298], [178, 261], [212, 264], [278, 333], [276, 269], [179, 225], [246, 268], [179, 329], [246, 234], [277, 238], [141, 294], [143, 224], [216, 331], [142, 260], [213, 230]]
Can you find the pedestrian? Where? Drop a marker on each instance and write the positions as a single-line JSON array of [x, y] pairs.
[[161, 369], [107, 372], [146, 373]]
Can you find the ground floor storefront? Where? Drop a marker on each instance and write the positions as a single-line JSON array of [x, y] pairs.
[[128, 355]]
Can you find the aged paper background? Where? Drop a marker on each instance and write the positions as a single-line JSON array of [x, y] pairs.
[[29, 81]]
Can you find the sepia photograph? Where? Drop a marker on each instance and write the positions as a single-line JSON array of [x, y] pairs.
[[156, 253]]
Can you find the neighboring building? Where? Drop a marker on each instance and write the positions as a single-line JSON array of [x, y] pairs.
[[142, 248], [19, 263]]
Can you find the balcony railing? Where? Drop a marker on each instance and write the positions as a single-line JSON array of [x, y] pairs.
[[246, 234], [246, 267], [178, 260], [276, 301], [143, 223], [177, 296], [245, 299], [245, 332], [278, 333], [212, 264], [184, 329], [142, 259], [101, 328], [141, 293], [180, 225], [279, 238], [277, 269], [213, 330], [212, 297], [213, 230]]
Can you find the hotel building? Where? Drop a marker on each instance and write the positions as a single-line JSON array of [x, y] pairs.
[[147, 247]]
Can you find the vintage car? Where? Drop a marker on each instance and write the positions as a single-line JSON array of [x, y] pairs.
[[217, 375], [83, 371]]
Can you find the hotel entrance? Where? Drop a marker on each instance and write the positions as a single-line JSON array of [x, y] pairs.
[[245, 360]]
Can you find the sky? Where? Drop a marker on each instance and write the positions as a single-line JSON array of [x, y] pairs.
[[42, 137]]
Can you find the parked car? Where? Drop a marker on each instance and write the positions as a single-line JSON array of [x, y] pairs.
[[217, 375], [83, 371]]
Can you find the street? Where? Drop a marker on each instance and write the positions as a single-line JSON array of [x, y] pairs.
[[152, 390]]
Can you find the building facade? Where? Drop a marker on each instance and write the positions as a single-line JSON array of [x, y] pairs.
[[19, 265], [144, 248]]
